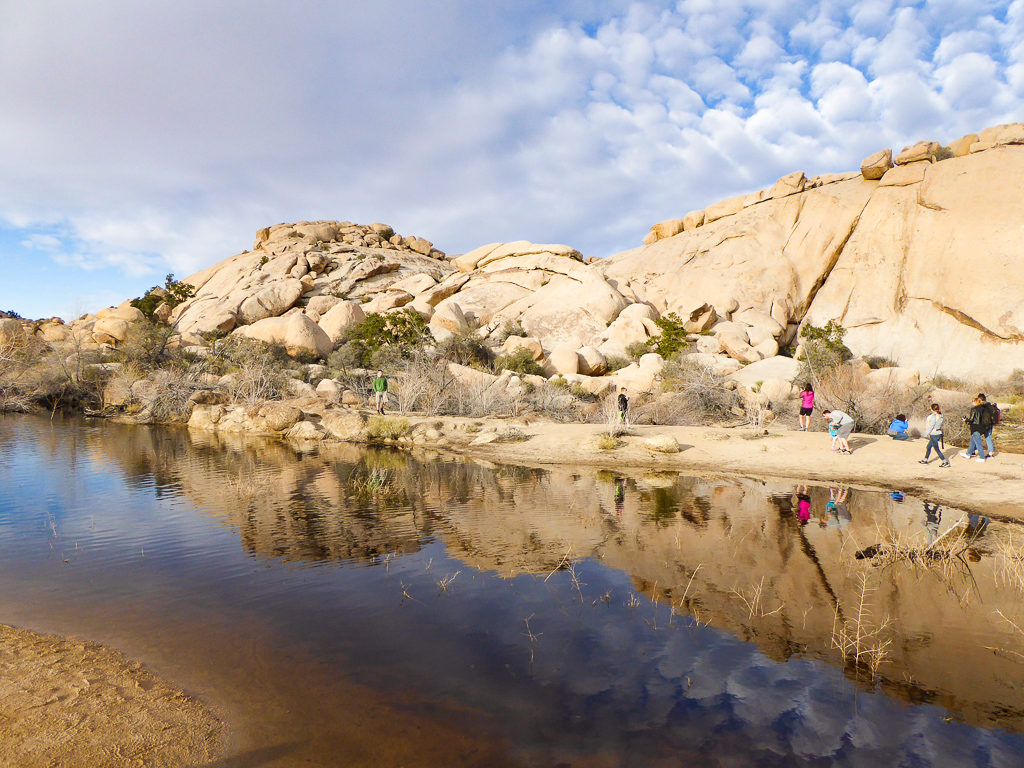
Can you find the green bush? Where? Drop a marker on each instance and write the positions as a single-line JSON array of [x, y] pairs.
[[465, 348], [823, 348], [672, 339], [172, 294], [399, 332], [519, 361]]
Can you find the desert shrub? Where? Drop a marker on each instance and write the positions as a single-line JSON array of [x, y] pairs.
[[637, 349], [399, 332], [607, 443], [465, 348], [944, 153], [258, 371], [672, 339], [708, 396], [877, 361], [872, 407], [617, 363], [581, 393], [145, 345], [173, 293], [169, 393], [519, 361], [17, 353], [510, 328], [386, 428], [823, 348]]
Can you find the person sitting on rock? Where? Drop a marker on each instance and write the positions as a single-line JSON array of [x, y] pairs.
[[898, 429], [380, 392]]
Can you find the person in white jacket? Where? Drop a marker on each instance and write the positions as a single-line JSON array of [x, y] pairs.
[[934, 431], [845, 424]]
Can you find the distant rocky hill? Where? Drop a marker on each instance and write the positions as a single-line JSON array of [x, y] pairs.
[[920, 257]]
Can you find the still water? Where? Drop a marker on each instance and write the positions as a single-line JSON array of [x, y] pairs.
[[355, 607]]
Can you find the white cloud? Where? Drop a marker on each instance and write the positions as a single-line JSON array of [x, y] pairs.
[[165, 135]]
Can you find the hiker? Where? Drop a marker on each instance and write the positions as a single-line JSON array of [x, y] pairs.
[[380, 392], [844, 428], [623, 404], [898, 429], [806, 406], [933, 429], [979, 420], [995, 416]]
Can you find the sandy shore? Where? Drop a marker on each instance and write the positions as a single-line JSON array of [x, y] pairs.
[[995, 488], [67, 702]]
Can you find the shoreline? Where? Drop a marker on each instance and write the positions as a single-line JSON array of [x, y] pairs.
[[995, 488]]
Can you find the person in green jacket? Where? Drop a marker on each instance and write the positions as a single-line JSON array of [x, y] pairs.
[[380, 391]]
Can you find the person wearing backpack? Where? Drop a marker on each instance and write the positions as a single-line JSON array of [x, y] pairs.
[[995, 416], [978, 421]]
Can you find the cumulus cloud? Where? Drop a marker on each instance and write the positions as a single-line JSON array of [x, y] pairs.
[[165, 135]]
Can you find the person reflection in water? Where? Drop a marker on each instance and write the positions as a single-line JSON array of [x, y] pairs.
[[932, 520], [620, 495], [803, 504], [838, 507]]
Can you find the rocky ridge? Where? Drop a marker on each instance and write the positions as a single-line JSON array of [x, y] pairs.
[[919, 256]]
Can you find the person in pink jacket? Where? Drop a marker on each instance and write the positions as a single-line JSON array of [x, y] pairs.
[[806, 407]]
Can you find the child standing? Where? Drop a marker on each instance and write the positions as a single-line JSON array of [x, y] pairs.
[[806, 407]]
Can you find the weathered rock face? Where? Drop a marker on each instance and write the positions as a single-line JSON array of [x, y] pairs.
[[921, 261]]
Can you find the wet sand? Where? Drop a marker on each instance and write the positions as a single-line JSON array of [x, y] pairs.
[[68, 702]]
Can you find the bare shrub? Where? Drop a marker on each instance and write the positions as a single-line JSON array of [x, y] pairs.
[[707, 394], [610, 417], [845, 388], [15, 361]]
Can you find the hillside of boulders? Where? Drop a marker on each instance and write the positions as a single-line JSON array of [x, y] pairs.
[[917, 256]]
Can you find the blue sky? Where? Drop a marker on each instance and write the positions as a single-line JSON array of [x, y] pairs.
[[146, 138]]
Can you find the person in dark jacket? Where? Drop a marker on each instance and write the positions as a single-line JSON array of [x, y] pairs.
[[978, 421], [623, 404]]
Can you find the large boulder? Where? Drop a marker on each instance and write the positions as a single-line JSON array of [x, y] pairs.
[[922, 151], [449, 316], [344, 425], [271, 301], [874, 166], [339, 317], [299, 335], [895, 378], [110, 329], [330, 389], [591, 361], [781, 368], [513, 343], [563, 360]]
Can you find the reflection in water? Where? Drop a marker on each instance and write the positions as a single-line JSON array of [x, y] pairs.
[[542, 633]]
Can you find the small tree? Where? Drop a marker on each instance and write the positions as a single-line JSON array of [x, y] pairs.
[[403, 332], [172, 294], [823, 348], [672, 338]]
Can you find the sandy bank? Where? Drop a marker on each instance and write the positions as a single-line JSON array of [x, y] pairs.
[[68, 702]]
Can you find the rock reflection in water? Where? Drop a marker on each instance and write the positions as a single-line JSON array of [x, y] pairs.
[[731, 553], [541, 641]]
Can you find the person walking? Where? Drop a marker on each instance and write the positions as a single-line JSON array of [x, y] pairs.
[[623, 404], [933, 429], [978, 421], [806, 407], [380, 392], [844, 424], [994, 416]]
